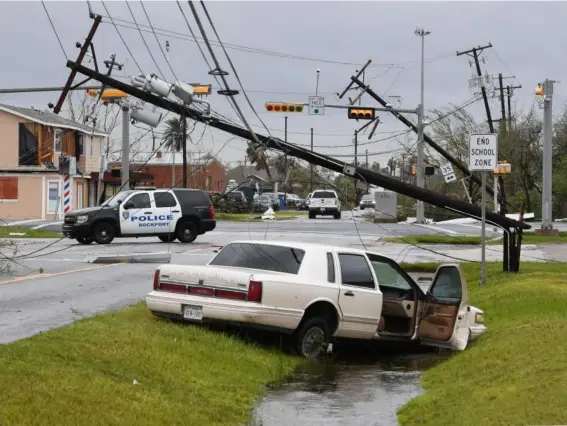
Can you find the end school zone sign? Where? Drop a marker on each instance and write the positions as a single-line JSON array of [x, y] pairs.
[[483, 152]]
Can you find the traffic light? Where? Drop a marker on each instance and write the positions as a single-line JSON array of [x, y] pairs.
[[427, 170], [283, 107], [539, 90], [201, 89], [361, 113]]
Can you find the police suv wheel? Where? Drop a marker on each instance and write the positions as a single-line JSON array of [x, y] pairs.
[[103, 233], [186, 232], [85, 240]]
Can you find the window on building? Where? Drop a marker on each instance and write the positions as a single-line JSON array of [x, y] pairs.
[[8, 187], [28, 147], [209, 182], [57, 141]]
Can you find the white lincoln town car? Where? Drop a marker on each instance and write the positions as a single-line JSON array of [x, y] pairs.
[[316, 293]]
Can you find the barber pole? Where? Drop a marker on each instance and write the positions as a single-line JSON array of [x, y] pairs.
[[66, 193]]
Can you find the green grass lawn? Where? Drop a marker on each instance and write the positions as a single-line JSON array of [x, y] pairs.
[[5, 232], [528, 238], [517, 372], [83, 374], [255, 217]]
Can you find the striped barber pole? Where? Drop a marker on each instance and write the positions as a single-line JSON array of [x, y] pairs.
[[66, 193]]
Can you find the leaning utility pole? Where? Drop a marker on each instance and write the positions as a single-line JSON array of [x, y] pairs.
[[420, 207], [545, 90], [84, 47], [502, 105]]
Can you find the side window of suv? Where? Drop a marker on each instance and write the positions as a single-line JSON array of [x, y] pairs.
[[164, 199], [140, 201]]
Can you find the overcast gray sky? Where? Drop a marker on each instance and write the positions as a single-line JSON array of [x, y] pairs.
[[528, 39]]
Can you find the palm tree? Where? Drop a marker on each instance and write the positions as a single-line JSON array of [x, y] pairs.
[[173, 134], [257, 155]]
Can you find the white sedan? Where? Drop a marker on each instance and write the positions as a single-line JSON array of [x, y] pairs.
[[317, 293]]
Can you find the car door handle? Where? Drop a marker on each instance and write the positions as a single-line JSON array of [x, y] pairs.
[[147, 212], [349, 293], [175, 211]]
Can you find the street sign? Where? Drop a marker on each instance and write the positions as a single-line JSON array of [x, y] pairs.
[[448, 172], [316, 105], [483, 156], [483, 152]]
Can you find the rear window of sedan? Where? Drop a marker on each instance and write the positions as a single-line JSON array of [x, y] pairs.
[[260, 256]]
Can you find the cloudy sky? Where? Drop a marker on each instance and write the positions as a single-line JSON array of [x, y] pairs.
[[277, 47]]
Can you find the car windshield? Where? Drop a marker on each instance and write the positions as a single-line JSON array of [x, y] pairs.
[[368, 197], [324, 194], [116, 199]]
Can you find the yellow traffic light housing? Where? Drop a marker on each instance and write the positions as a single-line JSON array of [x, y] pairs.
[[539, 90], [108, 94], [361, 113], [283, 107], [201, 89]]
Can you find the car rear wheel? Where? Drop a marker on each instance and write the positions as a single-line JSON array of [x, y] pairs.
[[312, 338], [337, 215], [186, 232], [311, 215], [85, 240], [103, 233]]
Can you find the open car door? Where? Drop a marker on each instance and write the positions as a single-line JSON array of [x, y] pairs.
[[443, 317]]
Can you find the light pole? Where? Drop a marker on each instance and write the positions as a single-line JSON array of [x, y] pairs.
[[420, 210]]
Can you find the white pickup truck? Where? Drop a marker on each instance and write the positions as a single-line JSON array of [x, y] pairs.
[[324, 202], [316, 293]]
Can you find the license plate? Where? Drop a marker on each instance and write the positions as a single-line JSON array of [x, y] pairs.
[[193, 313]]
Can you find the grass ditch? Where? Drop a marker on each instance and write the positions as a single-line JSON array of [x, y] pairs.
[[84, 373], [256, 217], [516, 373], [528, 238], [22, 232]]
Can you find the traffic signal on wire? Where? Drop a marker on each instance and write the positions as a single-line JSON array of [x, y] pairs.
[[283, 107], [361, 113]]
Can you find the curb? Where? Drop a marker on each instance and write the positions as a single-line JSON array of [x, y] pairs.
[[130, 258]]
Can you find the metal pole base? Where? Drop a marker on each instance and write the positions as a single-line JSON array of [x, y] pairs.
[[547, 232]]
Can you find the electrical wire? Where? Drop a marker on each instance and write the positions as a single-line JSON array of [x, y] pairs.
[[267, 52], [157, 40], [122, 38], [233, 67], [54, 30], [145, 43]]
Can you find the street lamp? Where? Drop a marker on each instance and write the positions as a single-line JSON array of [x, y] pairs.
[[420, 210]]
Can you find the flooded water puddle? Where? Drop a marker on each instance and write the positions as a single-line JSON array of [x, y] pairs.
[[352, 392]]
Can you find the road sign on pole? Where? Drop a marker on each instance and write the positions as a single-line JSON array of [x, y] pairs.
[[316, 105], [483, 152], [448, 172], [483, 157]]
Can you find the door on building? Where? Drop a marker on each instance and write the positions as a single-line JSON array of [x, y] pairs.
[[79, 195], [53, 201]]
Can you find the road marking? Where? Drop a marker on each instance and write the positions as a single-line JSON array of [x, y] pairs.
[[438, 229], [43, 225], [56, 274], [21, 222]]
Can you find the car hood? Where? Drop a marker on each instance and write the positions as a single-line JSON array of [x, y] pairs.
[[86, 210]]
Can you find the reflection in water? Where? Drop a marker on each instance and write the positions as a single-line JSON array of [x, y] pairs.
[[344, 393]]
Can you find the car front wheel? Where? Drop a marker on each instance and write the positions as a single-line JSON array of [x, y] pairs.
[[103, 233], [312, 338]]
